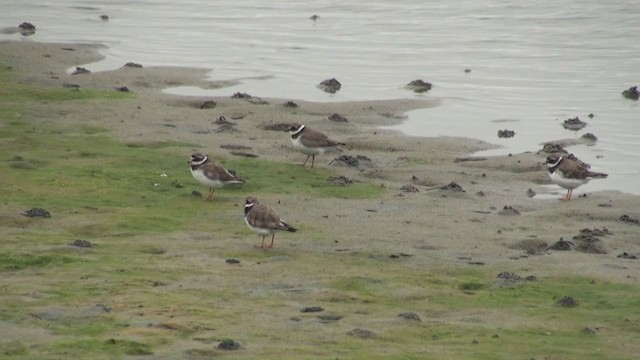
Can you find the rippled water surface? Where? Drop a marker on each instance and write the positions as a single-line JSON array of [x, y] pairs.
[[533, 64]]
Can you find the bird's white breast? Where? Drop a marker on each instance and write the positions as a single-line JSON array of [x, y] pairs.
[[259, 231], [201, 178], [298, 145], [567, 183]]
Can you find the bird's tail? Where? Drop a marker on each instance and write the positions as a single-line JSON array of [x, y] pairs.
[[288, 227], [596, 175]]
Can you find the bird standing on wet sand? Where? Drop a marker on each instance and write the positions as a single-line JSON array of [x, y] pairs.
[[570, 173], [311, 142], [211, 174], [264, 220]]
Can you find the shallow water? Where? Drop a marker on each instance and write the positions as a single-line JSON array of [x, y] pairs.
[[532, 65]]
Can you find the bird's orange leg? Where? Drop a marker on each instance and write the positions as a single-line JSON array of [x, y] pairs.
[[305, 160], [570, 193], [313, 158], [261, 245], [272, 238], [210, 196]]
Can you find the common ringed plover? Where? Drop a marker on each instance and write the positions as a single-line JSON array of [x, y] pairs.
[[311, 142], [570, 173], [210, 174], [264, 220]]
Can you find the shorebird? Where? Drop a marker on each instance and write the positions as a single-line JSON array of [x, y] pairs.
[[311, 142], [569, 173], [210, 174], [264, 220]]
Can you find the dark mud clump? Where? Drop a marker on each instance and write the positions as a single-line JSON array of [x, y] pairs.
[[631, 93], [36, 212], [506, 133], [452, 186], [229, 344], [410, 316], [225, 126], [509, 210], [27, 29], [361, 333], [626, 255], [232, 261], [562, 245], [588, 240], [81, 243], [209, 104], [104, 17], [531, 193], [574, 124], [122, 89], [409, 188], [550, 148], [513, 277], [629, 220], [330, 86], [325, 319], [568, 302], [19, 162], [351, 160], [312, 309], [590, 137], [339, 180], [133, 65], [290, 104], [252, 99], [419, 86], [80, 70], [337, 118], [276, 127]]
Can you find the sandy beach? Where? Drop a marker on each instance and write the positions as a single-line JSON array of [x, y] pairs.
[[493, 222]]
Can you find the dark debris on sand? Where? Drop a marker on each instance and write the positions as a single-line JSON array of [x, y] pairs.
[[631, 93], [408, 188], [133, 65], [339, 180], [574, 124], [337, 118], [312, 309], [229, 344], [419, 86], [276, 127], [252, 99], [330, 86], [410, 316], [209, 104], [626, 255], [629, 220], [36, 212], [568, 302], [351, 160], [80, 70], [81, 243], [588, 240], [506, 133], [550, 148], [562, 245], [361, 333], [513, 277], [452, 186]]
